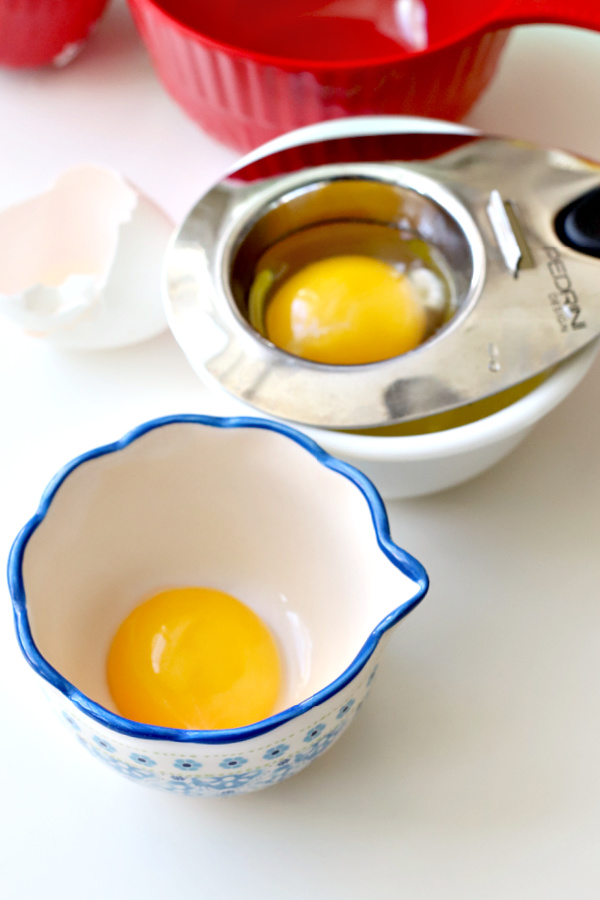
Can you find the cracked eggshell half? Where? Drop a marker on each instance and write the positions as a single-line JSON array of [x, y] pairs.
[[82, 262]]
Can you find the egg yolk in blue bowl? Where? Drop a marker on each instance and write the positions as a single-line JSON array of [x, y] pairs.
[[194, 658]]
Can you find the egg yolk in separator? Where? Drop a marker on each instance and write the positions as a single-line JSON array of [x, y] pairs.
[[349, 293], [194, 658]]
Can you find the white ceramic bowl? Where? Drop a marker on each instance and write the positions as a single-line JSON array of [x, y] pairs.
[[400, 466], [414, 465], [244, 505]]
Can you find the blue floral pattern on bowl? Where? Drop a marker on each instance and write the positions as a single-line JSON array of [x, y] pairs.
[[206, 776]]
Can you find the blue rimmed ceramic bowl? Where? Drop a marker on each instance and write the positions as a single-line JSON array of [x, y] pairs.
[[245, 505]]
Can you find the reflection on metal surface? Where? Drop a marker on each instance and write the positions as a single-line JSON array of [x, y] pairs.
[[505, 235], [526, 260], [504, 330]]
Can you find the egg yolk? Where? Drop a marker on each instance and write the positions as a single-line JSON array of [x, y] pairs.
[[346, 310], [194, 658]]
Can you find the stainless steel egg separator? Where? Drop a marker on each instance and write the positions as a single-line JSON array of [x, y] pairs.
[[519, 228]]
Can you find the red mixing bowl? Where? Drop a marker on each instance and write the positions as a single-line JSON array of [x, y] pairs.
[[248, 71], [39, 32]]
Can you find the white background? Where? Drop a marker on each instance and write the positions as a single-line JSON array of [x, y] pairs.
[[473, 771]]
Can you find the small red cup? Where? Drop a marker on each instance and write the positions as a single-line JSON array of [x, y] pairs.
[[248, 71], [39, 32]]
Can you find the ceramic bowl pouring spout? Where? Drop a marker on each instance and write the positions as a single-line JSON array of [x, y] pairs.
[[249, 507]]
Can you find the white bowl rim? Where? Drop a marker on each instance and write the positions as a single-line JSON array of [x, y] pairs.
[[400, 558], [501, 425]]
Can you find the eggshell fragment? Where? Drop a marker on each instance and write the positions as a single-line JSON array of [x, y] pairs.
[[82, 262]]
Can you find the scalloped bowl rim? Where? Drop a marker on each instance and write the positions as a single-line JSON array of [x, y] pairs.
[[403, 561]]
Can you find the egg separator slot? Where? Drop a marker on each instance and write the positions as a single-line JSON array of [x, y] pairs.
[[512, 227]]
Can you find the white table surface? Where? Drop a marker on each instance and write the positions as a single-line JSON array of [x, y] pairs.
[[473, 771]]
